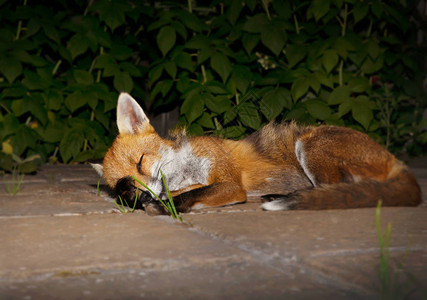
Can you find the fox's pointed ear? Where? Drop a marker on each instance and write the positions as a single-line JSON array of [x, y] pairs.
[[130, 116]]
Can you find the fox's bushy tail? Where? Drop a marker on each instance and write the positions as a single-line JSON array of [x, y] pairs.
[[401, 189]]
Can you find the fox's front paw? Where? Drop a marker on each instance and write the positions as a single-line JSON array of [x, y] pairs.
[[154, 208]]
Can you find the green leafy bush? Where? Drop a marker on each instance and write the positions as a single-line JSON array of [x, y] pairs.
[[231, 67]]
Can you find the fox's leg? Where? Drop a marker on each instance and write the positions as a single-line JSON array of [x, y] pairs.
[[217, 194]]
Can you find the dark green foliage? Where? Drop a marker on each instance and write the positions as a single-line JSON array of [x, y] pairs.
[[231, 67]]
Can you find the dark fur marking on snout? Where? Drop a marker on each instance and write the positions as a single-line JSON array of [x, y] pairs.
[[126, 189]]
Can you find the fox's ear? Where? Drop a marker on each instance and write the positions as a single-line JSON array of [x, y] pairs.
[[98, 168], [130, 116]]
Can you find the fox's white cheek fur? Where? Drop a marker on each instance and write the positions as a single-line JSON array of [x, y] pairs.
[[181, 169]]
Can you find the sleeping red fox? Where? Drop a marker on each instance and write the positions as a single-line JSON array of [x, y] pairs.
[[289, 166]]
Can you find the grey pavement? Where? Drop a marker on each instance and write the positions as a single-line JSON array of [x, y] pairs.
[[60, 240]]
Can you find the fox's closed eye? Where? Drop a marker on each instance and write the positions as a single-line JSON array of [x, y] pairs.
[[138, 165]]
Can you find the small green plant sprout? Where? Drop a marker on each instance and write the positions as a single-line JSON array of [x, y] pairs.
[[97, 188], [14, 186], [169, 205], [122, 207], [384, 244]]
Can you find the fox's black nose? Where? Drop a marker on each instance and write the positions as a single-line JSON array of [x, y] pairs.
[[145, 196]]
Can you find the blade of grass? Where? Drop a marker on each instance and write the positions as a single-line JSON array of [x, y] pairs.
[[384, 243], [154, 194], [122, 208], [175, 214], [97, 187], [170, 207], [134, 202]]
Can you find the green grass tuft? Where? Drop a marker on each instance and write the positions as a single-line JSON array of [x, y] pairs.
[[169, 205], [124, 209], [15, 186], [384, 244]]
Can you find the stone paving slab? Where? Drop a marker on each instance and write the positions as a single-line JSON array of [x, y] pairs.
[[57, 190], [112, 253], [341, 244], [220, 281], [60, 240]]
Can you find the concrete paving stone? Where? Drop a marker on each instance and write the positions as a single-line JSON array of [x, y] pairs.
[[342, 244], [235, 280], [52, 199], [57, 190], [134, 255], [41, 245]]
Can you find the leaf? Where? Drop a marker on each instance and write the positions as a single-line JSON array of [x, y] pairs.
[[373, 49], [19, 107], [318, 109], [206, 121], [273, 102], [249, 41], [273, 38], [339, 95], [120, 52], [216, 87], [130, 68], [234, 10], [74, 101], [53, 100], [123, 82], [294, 54], [319, 8], [53, 134], [170, 68], [345, 107], [359, 84], [10, 67], [360, 10], [71, 144], [195, 129], [190, 20], [361, 111], [255, 24], [112, 12], [52, 33], [299, 88], [34, 81], [83, 77], [221, 64], [155, 73], [77, 45], [370, 66], [218, 104], [7, 148], [249, 115], [33, 26], [183, 60], [242, 76], [192, 107], [314, 83], [162, 87], [234, 131], [166, 39], [329, 60], [230, 115]]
